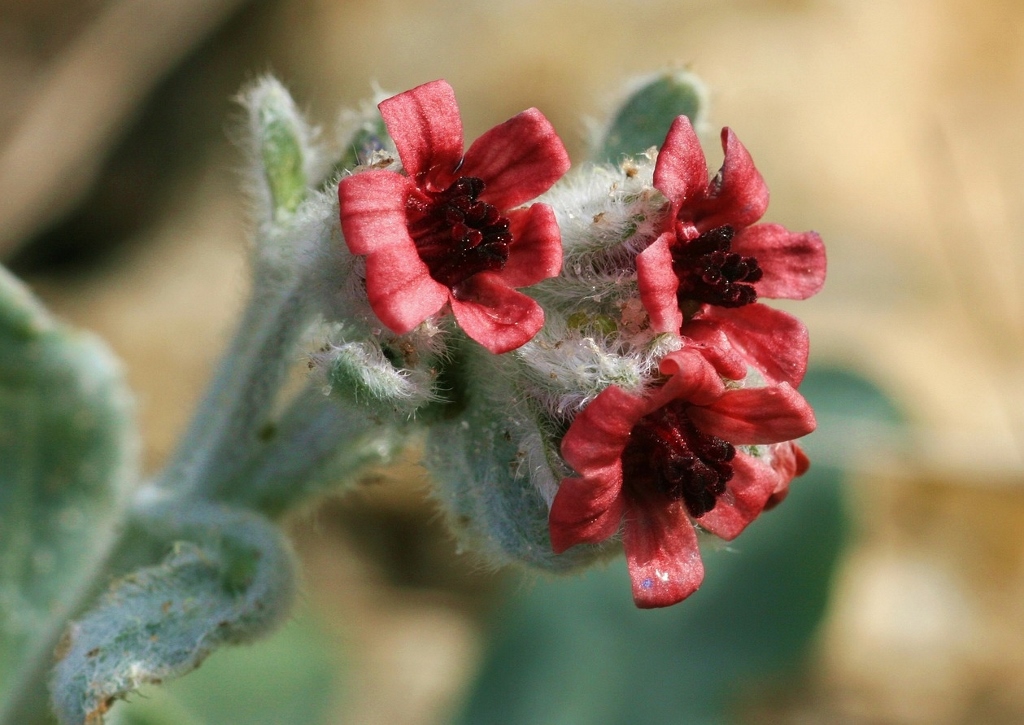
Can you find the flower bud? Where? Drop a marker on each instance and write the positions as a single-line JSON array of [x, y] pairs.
[[281, 146]]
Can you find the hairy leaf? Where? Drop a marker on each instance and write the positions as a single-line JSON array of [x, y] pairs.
[[645, 117], [68, 455], [496, 467], [230, 582]]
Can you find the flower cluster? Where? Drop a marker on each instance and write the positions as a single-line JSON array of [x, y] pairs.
[[646, 389]]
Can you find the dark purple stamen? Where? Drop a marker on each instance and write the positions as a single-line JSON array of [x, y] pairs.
[[668, 454], [456, 234], [709, 272]]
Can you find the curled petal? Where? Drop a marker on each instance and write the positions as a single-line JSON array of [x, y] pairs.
[[594, 443], [746, 494], [372, 206], [789, 461], [536, 250], [793, 263], [495, 315], [716, 346], [662, 553], [426, 128], [585, 511], [681, 173], [517, 160], [658, 284], [753, 416], [771, 340], [693, 379], [737, 196]]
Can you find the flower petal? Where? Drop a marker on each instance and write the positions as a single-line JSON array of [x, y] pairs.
[[372, 207], [536, 250], [756, 415], [400, 289], [737, 196], [771, 340], [662, 552], [658, 284], [585, 510], [744, 499], [793, 263], [693, 379], [715, 345], [594, 443], [426, 128], [789, 461], [494, 314], [517, 160], [681, 172]]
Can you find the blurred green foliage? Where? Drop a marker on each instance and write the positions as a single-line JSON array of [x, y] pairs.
[[577, 652]]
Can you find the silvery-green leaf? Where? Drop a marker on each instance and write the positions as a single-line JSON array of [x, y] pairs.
[[290, 677], [647, 113], [496, 468], [68, 456], [229, 580]]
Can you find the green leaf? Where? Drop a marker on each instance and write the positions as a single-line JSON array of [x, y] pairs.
[[854, 417], [492, 463], [68, 457], [288, 678], [578, 652], [231, 582], [646, 115]]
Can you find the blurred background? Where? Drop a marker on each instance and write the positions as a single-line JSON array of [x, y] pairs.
[[888, 589]]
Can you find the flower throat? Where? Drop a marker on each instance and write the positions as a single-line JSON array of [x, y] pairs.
[[456, 234], [710, 272], [667, 453]]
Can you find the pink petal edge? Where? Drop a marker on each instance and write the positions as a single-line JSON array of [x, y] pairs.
[[400, 289], [744, 499], [427, 129], [754, 416], [517, 160], [495, 315], [681, 172], [372, 210]]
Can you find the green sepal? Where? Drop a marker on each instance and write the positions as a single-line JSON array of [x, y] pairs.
[[281, 141]]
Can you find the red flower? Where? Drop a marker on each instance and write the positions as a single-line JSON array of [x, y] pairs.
[[657, 463], [710, 256], [448, 231], [769, 340]]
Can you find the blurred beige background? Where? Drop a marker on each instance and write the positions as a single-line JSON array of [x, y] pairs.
[[892, 128]]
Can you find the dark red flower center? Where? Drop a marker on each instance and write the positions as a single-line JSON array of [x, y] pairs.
[[456, 234], [668, 454], [710, 273]]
